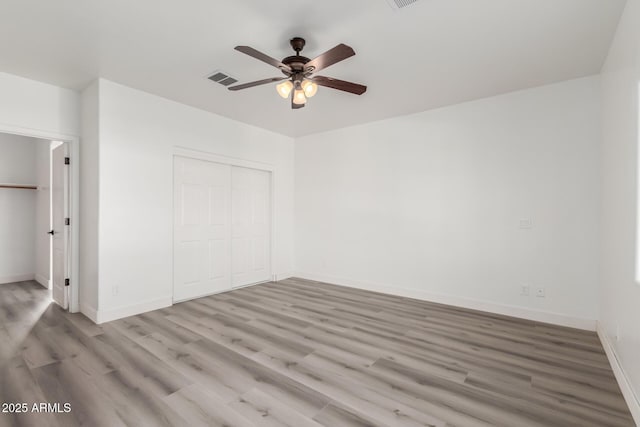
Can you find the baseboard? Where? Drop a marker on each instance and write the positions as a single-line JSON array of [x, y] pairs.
[[623, 380], [43, 281], [17, 278], [89, 311], [282, 276], [473, 304], [103, 316]]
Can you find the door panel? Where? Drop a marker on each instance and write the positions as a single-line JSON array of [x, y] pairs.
[[219, 206], [189, 259], [60, 238], [201, 228], [192, 196], [239, 255], [250, 225], [259, 253], [218, 249]]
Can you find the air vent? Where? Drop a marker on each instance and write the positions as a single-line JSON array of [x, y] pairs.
[[222, 78], [399, 4]]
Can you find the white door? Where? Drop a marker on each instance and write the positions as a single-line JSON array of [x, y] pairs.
[[250, 213], [202, 229], [60, 235]]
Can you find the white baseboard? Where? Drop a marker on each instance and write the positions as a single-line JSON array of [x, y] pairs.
[[89, 311], [623, 380], [17, 278], [473, 304], [43, 281], [282, 276], [103, 316]]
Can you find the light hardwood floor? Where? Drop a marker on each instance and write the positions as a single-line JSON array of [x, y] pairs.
[[300, 353]]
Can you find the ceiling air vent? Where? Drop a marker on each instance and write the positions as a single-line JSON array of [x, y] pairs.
[[399, 4], [222, 78]]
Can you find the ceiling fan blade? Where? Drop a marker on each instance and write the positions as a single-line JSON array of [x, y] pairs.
[[257, 83], [262, 57], [330, 57], [340, 85]]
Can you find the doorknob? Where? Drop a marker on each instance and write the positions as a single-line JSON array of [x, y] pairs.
[[51, 232]]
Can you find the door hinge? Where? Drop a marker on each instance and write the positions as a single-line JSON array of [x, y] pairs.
[[66, 161], [66, 282], [67, 221]]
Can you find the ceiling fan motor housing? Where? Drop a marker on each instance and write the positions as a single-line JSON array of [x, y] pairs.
[[296, 62], [297, 43]]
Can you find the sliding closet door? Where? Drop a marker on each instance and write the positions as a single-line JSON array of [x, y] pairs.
[[202, 229], [250, 212]]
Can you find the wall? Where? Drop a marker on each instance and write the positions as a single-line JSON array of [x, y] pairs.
[[89, 190], [138, 133], [17, 209], [429, 205], [620, 291], [43, 212], [27, 104]]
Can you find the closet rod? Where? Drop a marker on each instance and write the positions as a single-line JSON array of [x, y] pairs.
[[20, 187]]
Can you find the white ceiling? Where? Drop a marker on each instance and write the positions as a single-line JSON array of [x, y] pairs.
[[430, 54]]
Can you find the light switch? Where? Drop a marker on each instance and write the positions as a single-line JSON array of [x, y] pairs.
[[525, 224]]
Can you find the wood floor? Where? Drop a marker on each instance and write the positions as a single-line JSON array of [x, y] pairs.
[[300, 353]]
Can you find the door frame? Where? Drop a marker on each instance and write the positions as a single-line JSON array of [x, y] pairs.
[[74, 205], [230, 161]]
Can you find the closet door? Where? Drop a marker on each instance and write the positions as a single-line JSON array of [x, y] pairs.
[[202, 228], [250, 213]]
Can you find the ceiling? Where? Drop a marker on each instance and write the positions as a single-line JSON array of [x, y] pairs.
[[430, 54]]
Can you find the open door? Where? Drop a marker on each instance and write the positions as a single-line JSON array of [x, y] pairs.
[[60, 231]]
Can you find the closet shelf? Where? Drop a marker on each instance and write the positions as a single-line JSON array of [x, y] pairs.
[[19, 186]]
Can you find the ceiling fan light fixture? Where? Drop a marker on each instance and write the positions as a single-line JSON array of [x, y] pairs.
[[298, 97], [310, 88], [284, 89]]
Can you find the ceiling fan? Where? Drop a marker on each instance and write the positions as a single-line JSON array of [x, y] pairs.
[[300, 81]]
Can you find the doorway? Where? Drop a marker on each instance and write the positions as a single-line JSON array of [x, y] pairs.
[[34, 213], [222, 227]]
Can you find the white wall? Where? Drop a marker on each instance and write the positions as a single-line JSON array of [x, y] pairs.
[[620, 291], [89, 189], [428, 205], [43, 211], [137, 136], [28, 104], [17, 209]]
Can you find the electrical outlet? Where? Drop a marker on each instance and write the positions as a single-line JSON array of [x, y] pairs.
[[524, 290], [540, 292]]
